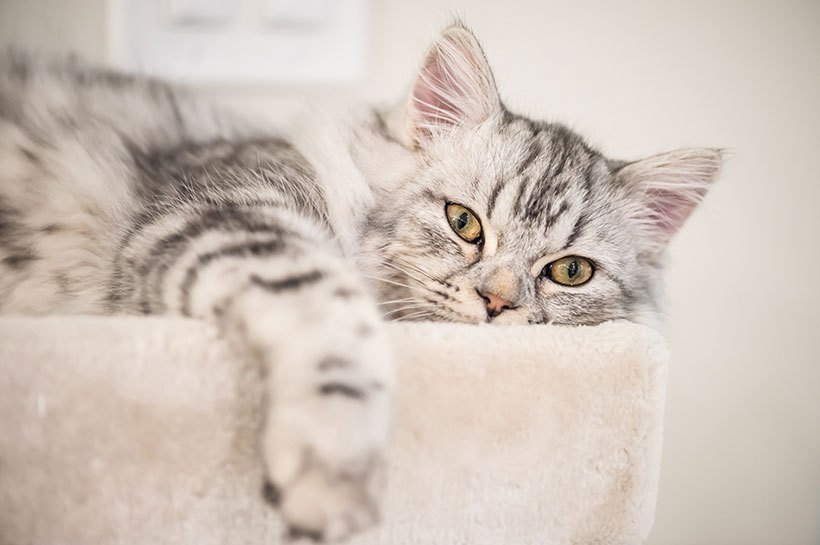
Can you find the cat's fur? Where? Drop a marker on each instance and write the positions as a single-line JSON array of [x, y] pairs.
[[120, 194]]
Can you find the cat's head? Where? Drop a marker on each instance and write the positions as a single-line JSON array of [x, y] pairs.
[[512, 220]]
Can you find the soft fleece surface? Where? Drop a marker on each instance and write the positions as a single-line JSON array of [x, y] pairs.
[[142, 431]]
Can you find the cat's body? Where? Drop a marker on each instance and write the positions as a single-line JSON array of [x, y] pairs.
[[123, 195], [91, 159]]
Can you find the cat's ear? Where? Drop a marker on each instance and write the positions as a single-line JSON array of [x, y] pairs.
[[454, 88], [668, 187]]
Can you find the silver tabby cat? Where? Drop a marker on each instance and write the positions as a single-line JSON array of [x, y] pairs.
[[124, 195]]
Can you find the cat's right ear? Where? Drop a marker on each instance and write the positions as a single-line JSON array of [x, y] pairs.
[[454, 88], [668, 187]]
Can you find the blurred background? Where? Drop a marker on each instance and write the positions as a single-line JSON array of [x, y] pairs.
[[742, 440]]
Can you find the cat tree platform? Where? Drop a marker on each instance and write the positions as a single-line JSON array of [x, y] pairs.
[[142, 431]]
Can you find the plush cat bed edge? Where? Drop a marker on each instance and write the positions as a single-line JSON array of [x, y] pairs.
[[143, 430]]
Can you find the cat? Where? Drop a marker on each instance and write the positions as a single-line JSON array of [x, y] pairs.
[[121, 194]]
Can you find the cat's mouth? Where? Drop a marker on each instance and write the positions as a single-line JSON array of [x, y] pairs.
[[438, 306], [409, 293]]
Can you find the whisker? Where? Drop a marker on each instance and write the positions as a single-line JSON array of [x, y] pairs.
[[409, 307], [417, 269], [399, 269], [395, 301], [414, 316], [385, 280], [400, 264]]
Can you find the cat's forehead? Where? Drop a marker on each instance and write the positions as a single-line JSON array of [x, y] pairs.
[[532, 182], [510, 147]]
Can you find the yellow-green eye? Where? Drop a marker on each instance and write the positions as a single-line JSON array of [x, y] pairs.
[[570, 271], [464, 222]]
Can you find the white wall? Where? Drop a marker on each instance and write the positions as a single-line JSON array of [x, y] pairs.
[[742, 449], [78, 26]]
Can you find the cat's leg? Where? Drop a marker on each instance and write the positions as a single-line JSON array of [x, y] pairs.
[[268, 279], [328, 379]]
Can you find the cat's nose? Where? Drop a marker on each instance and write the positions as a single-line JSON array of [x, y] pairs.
[[495, 304]]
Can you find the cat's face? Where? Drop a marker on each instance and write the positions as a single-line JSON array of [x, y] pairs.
[[513, 221]]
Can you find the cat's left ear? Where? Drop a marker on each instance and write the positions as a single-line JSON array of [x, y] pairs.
[[454, 88], [668, 188]]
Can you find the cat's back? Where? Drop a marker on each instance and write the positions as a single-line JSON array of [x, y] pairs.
[[85, 152], [59, 98], [69, 135]]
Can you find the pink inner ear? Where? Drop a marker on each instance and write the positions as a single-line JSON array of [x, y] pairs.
[[669, 210], [432, 105]]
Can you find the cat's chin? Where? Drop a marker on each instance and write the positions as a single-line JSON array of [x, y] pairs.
[[509, 319], [456, 317]]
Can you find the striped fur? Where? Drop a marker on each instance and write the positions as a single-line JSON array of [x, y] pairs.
[[124, 195]]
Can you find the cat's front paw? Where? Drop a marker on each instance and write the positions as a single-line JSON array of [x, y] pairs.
[[324, 503], [328, 386], [323, 451], [326, 424]]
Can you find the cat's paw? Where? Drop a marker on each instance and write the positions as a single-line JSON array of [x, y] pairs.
[[326, 504], [323, 453], [329, 380]]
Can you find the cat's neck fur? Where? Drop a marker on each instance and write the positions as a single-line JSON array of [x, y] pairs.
[[357, 159]]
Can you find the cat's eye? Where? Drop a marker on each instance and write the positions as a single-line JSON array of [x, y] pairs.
[[464, 222], [569, 271]]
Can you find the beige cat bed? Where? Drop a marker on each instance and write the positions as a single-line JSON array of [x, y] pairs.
[[140, 431]]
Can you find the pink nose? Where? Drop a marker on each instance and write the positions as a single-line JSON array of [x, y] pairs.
[[495, 304]]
